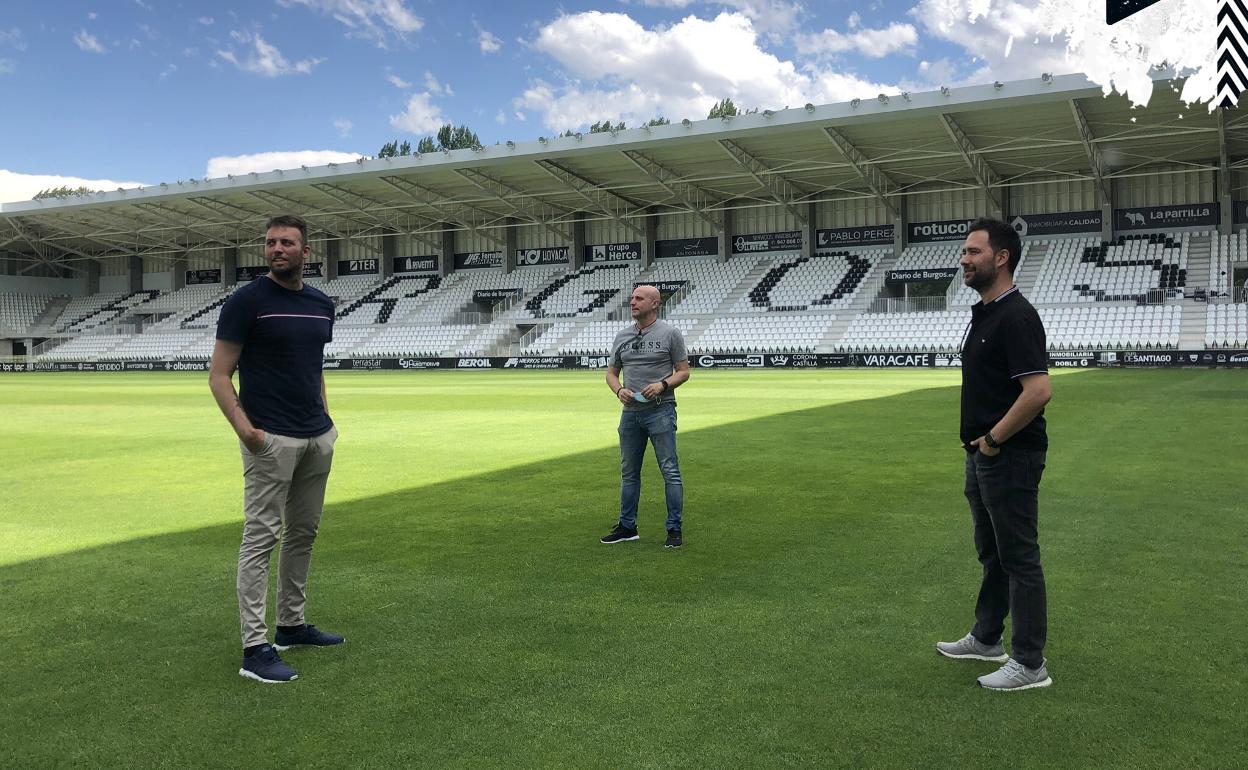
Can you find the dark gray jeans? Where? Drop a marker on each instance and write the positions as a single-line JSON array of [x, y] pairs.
[[1003, 492]]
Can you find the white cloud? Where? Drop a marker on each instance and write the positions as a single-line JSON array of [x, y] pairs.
[[871, 43], [397, 81], [7, 66], [1061, 36], [92, 16], [143, 5], [264, 58], [369, 19], [621, 70], [771, 17], [207, 21], [500, 118], [12, 39], [22, 187], [87, 42], [488, 42], [431, 83], [267, 161], [344, 127], [421, 116], [172, 68]]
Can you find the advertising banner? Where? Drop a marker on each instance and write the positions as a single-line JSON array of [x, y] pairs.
[[789, 240], [944, 230], [423, 264], [1163, 217], [1037, 225], [478, 259], [197, 277], [613, 252], [553, 256], [686, 247], [867, 235], [921, 276]]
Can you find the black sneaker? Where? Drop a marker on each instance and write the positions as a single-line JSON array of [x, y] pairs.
[[305, 636], [264, 665], [673, 539], [620, 534]]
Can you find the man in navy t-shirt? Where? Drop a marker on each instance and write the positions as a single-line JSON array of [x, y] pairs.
[[274, 331]]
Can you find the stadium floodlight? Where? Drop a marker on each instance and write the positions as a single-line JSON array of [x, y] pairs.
[[541, 140], [905, 95], [768, 113], [359, 161], [944, 90], [1047, 77], [997, 84], [230, 177], [810, 107], [883, 98], [577, 135], [686, 122], [511, 145], [855, 102], [304, 166]]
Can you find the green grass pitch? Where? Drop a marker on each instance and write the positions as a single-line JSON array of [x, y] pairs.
[[827, 548]]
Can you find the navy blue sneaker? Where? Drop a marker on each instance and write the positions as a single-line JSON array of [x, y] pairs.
[[305, 636], [264, 665]]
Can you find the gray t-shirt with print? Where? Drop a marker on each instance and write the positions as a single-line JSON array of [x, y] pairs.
[[648, 356]]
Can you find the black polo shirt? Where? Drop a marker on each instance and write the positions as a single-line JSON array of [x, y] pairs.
[[1004, 341]]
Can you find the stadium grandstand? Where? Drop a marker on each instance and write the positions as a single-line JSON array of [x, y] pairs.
[[814, 235]]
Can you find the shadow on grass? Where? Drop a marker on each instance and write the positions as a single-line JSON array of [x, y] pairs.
[[826, 550]]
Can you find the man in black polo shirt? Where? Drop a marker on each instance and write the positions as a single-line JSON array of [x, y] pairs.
[[1005, 385], [274, 331]]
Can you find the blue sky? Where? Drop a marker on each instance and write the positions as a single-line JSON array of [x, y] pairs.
[[122, 92]]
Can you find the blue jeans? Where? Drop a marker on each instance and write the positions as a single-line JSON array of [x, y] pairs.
[[658, 425]]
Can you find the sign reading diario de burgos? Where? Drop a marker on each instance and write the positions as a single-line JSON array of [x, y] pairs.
[[944, 230], [613, 252], [789, 240]]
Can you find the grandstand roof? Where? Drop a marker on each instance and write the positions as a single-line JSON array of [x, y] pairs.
[[999, 135]]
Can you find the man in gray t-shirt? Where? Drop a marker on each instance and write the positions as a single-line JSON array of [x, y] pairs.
[[651, 354]]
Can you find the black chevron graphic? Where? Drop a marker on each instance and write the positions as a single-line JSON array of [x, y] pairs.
[[1232, 44], [1117, 10]]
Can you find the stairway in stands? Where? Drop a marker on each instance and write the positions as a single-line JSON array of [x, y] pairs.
[[867, 294], [1029, 271]]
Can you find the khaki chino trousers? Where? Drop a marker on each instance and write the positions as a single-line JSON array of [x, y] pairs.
[[283, 497]]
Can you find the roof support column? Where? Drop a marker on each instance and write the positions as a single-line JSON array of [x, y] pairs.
[[901, 224], [177, 273], [576, 255], [333, 253], [389, 250], [650, 222], [134, 270], [1226, 206], [808, 231], [725, 235], [446, 259], [509, 248], [93, 277], [229, 266]]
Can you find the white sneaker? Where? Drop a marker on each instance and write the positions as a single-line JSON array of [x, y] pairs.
[[1015, 676], [970, 648]]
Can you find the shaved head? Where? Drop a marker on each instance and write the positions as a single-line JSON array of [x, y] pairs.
[[644, 302]]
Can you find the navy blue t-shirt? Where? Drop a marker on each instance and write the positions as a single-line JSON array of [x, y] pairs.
[[283, 334]]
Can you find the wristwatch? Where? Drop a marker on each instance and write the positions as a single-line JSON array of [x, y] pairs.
[[990, 441]]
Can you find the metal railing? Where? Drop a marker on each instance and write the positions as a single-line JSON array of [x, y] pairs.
[[908, 304]]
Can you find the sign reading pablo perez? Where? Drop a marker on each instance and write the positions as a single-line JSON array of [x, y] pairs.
[[424, 264], [613, 252], [1159, 217], [870, 235], [789, 240], [553, 256]]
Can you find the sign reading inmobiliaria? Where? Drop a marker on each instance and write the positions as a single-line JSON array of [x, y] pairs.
[[1033, 225], [789, 240]]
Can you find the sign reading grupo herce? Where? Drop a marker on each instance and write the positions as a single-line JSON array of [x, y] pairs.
[[944, 230], [1162, 217], [1034, 225], [552, 256], [613, 252], [789, 240], [867, 235], [478, 259]]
